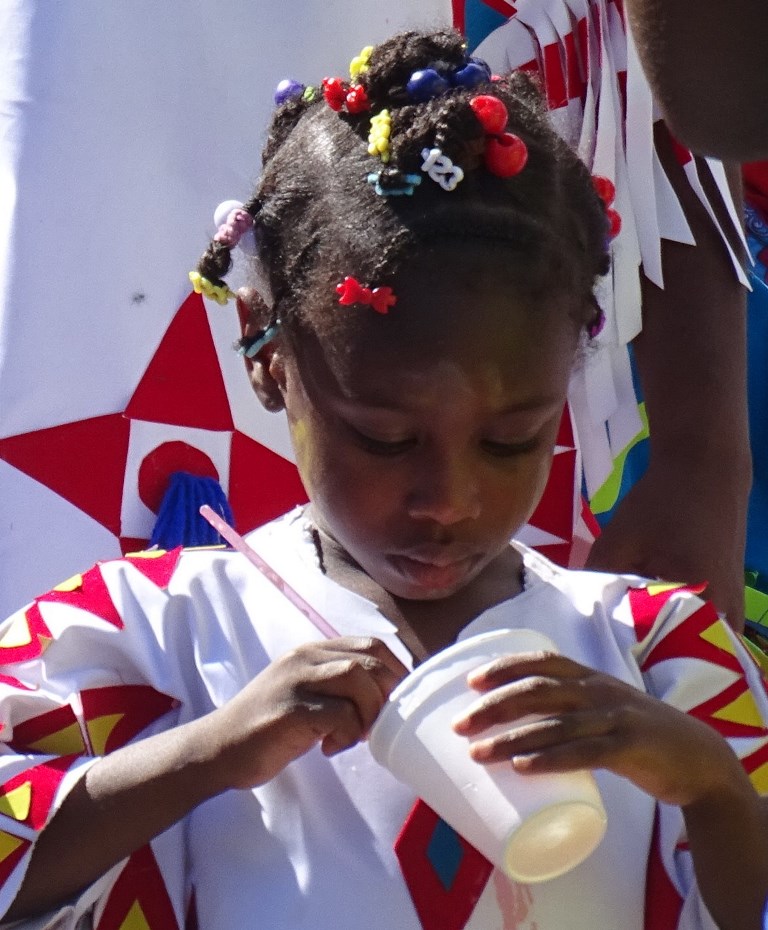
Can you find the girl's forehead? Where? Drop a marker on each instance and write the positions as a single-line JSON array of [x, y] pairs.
[[466, 288], [439, 342]]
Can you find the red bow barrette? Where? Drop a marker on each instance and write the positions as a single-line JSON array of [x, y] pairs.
[[351, 291]]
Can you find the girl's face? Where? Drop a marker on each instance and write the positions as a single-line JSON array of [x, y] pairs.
[[427, 445]]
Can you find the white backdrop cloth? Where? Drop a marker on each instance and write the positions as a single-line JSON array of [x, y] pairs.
[[122, 125]]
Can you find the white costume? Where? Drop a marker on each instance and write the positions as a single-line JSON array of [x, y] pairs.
[[139, 645]]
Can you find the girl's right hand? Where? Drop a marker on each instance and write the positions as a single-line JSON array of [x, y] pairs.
[[328, 692]]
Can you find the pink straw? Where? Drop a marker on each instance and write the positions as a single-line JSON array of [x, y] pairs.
[[240, 545]]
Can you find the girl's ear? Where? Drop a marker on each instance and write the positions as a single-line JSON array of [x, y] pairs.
[[266, 370]]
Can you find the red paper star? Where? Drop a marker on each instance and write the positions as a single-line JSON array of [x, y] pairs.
[[116, 467]]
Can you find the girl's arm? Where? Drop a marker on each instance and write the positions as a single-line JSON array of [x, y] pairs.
[[328, 692], [591, 720], [705, 63]]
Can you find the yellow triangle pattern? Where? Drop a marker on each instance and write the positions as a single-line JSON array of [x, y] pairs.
[[148, 554], [135, 919], [759, 779], [717, 636], [16, 802], [17, 634], [662, 587], [62, 742], [743, 710], [100, 729], [71, 584], [8, 844]]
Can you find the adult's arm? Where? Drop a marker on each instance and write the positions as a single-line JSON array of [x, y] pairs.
[[685, 519], [706, 63]]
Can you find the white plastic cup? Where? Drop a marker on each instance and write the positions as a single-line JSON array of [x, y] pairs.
[[533, 827]]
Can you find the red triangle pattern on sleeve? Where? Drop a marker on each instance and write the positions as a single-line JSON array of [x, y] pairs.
[[115, 714], [56, 732], [646, 605], [89, 591], [663, 903], [23, 645], [38, 787], [14, 683], [139, 899], [157, 565], [733, 712], [86, 592], [12, 851], [687, 641]]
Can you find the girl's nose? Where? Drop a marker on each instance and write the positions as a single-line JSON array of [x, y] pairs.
[[446, 493]]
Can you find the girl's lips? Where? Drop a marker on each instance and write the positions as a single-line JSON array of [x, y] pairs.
[[434, 576]]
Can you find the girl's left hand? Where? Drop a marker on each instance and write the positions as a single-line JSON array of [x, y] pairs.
[[590, 720]]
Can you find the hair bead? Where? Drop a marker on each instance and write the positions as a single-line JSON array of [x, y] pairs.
[[491, 113], [425, 84], [378, 137], [506, 154], [475, 72], [288, 89], [360, 63]]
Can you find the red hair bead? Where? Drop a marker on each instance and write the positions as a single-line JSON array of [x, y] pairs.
[[505, 155], [357, 99], [334, 92], [614, 222], [490, 112], [605, 188]]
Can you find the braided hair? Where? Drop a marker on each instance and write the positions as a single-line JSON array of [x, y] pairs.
[[319, 219]]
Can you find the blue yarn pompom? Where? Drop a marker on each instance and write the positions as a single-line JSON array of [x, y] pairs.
[[179, 522]]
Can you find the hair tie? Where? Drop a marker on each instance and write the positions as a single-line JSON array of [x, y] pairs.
[[391, 182], [360, 62], [378, 136], [249, 348], [218, 292], [350, 291], [235, 226]]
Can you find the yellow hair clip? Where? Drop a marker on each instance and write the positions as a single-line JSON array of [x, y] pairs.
[[378, 136], [218, 292], [360, 62]]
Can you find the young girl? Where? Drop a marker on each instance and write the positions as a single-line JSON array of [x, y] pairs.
[[185, 735]]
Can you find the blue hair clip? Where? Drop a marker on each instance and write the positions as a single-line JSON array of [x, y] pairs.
[[406, 186], [251, 349]]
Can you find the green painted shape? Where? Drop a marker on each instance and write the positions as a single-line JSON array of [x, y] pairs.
[[756, 606], [607, 494]]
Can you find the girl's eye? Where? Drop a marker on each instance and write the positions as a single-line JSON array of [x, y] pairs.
[[509, 449], [382, 446]]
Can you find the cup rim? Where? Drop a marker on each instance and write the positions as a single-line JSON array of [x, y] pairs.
[[390, 717]]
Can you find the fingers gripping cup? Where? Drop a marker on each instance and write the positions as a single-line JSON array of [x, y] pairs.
[[533, 827]]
